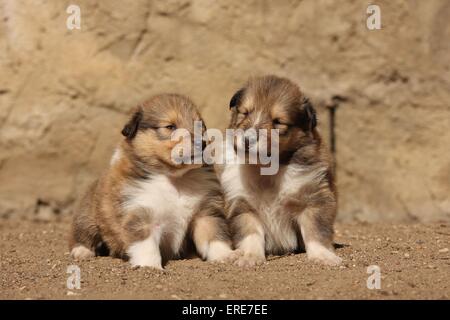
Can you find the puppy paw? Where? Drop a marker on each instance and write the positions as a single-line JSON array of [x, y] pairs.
[[80, 252], [145, 254], [247, 259], [151, 263], [219, 252], [320, 254]]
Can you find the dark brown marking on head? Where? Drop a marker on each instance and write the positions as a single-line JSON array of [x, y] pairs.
[[131, 128]]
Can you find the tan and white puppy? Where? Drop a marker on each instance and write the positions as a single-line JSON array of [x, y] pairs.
[[146, 207], [296, 207]]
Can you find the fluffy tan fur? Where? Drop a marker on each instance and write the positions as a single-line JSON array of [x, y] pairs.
[[145, 207], [296, 207]]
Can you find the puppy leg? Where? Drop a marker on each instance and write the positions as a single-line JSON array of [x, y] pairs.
[[248, 234], [211, 239], [316, 226], [144, 239], [210, 232], [146, 253], [84, 236]]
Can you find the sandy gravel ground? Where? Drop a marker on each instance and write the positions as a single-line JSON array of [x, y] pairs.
[[414, 261]]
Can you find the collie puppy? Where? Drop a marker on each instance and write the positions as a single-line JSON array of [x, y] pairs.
[[148, 208], [295, 207]]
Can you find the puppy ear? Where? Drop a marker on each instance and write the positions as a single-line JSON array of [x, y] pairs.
[[310, 114], [131, 128], [237, 97]]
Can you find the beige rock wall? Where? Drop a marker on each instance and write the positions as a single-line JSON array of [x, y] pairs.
[[64, 93]]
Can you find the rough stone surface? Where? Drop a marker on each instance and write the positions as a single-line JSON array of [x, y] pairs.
[[64, 94]]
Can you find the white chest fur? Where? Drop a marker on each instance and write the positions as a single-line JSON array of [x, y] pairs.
[[171, 204], [266, 194]]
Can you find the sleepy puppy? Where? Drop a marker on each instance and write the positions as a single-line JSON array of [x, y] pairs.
[[296, 206], [146, 207]]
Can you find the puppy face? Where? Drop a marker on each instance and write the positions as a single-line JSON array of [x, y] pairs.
[[150, 132], [271, 102]]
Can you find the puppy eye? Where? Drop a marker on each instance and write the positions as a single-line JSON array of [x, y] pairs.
[[171, 127], [282, 127], [243, 112], [277, 122]]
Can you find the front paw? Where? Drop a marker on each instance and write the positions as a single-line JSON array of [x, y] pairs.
[[219, 252], [80, 252], [139, 264], [145, 254], [146, 261], [324, 256], [247, 259]]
